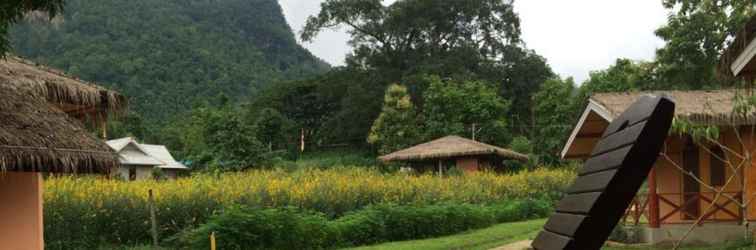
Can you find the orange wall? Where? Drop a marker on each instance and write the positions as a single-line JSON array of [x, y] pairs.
[[670, 179], [21, 225]]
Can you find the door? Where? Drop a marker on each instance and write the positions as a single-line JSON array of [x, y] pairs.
[[132, 173], [691, 187]]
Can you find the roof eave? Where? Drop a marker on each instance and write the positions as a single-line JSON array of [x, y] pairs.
[[744, 57], [593, 106]]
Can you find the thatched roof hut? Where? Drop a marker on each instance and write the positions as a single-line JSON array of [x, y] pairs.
[[71, 95], [705, 107], [38, 130], [701, 107], [452, 147]]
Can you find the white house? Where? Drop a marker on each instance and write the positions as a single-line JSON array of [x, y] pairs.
[[138, 161]]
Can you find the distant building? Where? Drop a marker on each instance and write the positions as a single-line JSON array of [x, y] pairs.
[[454, 151], [138, 161]]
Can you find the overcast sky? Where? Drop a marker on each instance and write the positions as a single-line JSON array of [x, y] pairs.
[[575, 36]]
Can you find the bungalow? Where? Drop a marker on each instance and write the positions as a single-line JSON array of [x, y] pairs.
[[41, 132], [450, 151], [139, 161], [683, 183]]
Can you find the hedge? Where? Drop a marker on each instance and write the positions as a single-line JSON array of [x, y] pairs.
[[241, 227]]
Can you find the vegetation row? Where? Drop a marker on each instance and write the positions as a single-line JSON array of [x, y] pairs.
[[88, 212], [291, 228]]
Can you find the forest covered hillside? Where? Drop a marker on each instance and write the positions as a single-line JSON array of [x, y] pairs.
[[167, 55]]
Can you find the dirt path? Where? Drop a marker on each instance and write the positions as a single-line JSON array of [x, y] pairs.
[[520, 245]]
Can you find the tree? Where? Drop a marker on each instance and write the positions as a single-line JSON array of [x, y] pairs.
[[130, 124], [412, 34], [397, 125], [624, 75], [462, 40], [468, 108], [555, 112], [273, 129], [232, 142], [215, 134], [307, 103], [696, 34], [11, 11], [520, 73]]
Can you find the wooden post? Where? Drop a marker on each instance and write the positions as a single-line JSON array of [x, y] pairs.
[[105, 130], [653, 200], [212, 241], [153, 219], [473, 131], [440, 168], [302, 140]]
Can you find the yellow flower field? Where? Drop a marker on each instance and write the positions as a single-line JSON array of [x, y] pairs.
[[118, 210]]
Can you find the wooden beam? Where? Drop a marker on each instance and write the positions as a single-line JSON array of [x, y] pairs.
[[590, 135], [653, 200]]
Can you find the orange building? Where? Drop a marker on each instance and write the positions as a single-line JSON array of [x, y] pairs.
[[41, 131], [683, 183], [453, 151]]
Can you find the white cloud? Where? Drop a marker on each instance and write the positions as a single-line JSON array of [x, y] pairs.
[[575, 36]]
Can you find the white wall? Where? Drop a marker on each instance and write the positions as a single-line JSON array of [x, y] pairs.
[[142, 172]]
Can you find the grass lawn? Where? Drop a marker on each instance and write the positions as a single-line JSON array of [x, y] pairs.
[[506, 233], [733, 246], [486, 238]]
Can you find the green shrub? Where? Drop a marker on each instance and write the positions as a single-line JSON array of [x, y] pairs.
[[289, 228], [244, 228]]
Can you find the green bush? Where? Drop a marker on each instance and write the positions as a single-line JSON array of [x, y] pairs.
[[244, 228], [289, 228]]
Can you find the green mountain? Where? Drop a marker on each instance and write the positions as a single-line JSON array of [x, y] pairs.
[[166, 55]]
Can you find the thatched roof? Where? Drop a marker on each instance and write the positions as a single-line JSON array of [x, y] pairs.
[[450, 146], [37, 135], [69, 94], [709, 107], [738, 45]]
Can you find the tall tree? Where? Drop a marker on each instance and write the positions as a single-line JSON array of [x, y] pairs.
[[623, 75], [695, 35], [273, 129], [397, 125], [555, 113], [307, 103], [11, 11], [470, 108], [519, 74], [476, 40], [410, 35]]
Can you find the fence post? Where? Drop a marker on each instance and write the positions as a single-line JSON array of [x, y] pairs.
[[212, 241], [653, 200], [153, 219]]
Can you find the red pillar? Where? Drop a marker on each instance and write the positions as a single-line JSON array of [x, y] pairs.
[[653, 200]]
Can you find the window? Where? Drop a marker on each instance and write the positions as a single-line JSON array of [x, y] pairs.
[[132, 173], [717, 166]]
